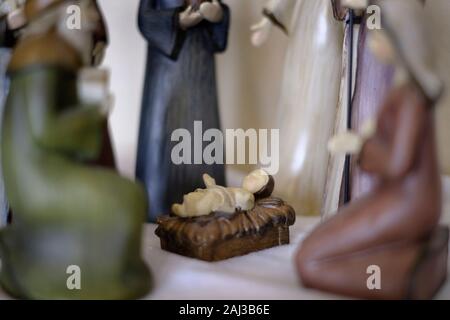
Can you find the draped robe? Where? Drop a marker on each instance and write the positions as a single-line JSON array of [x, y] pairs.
[[180, 88]]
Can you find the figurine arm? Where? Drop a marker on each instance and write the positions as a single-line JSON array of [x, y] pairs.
[[395, 160], [280, 12], [374, 156], [75, 129], [160, 27], [277, 13], [218, 32]]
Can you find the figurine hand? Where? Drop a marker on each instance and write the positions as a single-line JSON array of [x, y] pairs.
[[107, 105], [16, 19], [345, 143], [98, 54], [189, 18], [211, 11], [368, 128], [7, 6], [355, 4], [261, 32]]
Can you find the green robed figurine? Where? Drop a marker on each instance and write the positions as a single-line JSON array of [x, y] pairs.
[[68, 213]]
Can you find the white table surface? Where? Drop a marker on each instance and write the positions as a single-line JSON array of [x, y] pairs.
[[268, 274]]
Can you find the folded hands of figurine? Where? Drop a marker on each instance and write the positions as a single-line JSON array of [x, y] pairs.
[[211, 11], [15, 13], [189, 18], [93, 89], [351, 143], [345, 143], [106, 105], [261, 32]]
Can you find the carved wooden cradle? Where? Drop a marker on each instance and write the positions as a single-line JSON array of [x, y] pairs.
[[220, 236]]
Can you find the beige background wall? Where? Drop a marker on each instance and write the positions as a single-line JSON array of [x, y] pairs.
[[248, 78]]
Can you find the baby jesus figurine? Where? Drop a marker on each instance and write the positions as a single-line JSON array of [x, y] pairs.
[[257, 185], [217, 222]]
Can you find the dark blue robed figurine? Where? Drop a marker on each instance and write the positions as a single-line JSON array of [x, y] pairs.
[[180, 88], [7, 41]]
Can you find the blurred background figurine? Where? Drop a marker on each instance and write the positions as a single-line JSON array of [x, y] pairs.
[[394, 228], [438, 12], [370, 80], [373, 82], [69, 215], [11, 19], [180, 88], [309, 98], [374, 78], [106, 158]]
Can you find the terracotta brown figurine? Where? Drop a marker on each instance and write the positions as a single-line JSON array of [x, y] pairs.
[[180, 88], [69, 215], [393, 229], [218, 223]]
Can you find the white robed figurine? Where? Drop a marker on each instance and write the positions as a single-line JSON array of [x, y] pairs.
[[309, 96]]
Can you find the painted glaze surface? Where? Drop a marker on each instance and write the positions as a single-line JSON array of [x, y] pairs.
[[180, 88], [308, 101]]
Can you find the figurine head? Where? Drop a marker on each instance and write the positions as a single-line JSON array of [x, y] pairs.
[[79, 22], [259, 183]]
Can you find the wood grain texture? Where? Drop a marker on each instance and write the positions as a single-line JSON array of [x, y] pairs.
[[271, 237], [221, 236]]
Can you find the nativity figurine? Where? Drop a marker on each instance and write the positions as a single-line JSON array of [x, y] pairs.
[[309, 98], [373, 81], [180, 88], [12, 19], [394, 229], [68, 213], [218, 222]]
